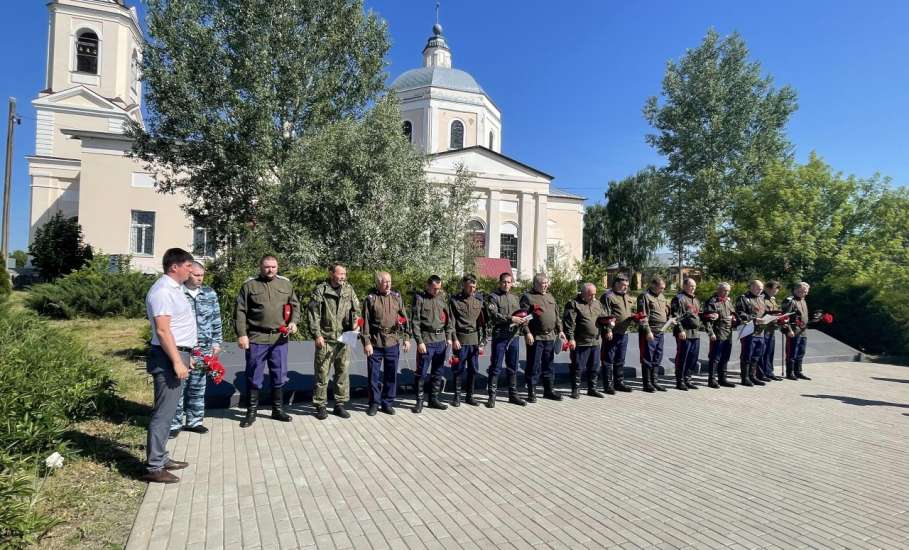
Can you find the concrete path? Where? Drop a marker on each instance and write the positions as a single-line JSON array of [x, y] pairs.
[[820, 464]]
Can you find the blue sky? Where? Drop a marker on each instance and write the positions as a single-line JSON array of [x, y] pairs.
[[571, 77]]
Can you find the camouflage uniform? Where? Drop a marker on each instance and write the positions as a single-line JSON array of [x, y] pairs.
[[208, 329], [332, 311]]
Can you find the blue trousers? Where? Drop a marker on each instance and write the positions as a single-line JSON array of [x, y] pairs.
[[382, 374], [720, 351], [192, 400], [504, 351], [686, 357], [767, 358], [795, 353], [539, 361], [585, 360], [613, 354], [272, 356], [752, 349], [431, 362], [468, 359], [651, 352]]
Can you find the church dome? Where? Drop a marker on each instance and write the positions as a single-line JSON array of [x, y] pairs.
[[440, 77]]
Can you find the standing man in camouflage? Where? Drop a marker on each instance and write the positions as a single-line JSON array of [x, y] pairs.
[[501, 306], [650, 336], [582, 320], [618, 303], [797, 325], [750, 308], [333, 308], [544, 332], [207, 311], [384, 331], [258, 321], [686, 309], [719, 323], [771, 289], [432, 330], [469, 334]]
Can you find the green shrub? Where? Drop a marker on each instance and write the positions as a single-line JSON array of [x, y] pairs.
[[20, 525], [93, 291], [6, 286]]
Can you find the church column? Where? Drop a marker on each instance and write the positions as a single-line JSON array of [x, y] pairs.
[[493, 239], [430, 130], [540, 231], [525, 257]]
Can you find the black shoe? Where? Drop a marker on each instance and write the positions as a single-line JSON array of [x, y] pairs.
[[648, 388], [791, 377], [321, 412], [277, 405], [174, 433], [549, 393], [712, 383], [515, 399], [434, 403], [658, 387], [681, 386], [372, 410], [592, 392], [456, 399], [776, 378], [531, 394], [726, 383], [801, 376], [491, 400], [757, 382], [470, 400], [691, 385], [575, 393], [197, 429], [340, 411], [251, 409], [620, 386], [388, 409]]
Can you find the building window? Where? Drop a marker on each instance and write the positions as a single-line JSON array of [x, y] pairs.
[[509, 249], [408, 131], [457, 135], [87, 52], [142, 233], [476, 233], [203, 244], [552, 255], [492, 140]]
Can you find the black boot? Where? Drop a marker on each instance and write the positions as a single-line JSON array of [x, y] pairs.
[[743, 368], [418, 388], [435, 385], [468, 389], [654, 379], [754, 376], [277, 405], [513, 396], [790, 371], [606, 373], [592, 386], [618, 376], [711, 375], [680, 379], [321, 412], [550, 393], [251, 409], [646, 372], [456, 387], [724, 383], [491, 390], [531, 392], [798, 371], [575, 382]]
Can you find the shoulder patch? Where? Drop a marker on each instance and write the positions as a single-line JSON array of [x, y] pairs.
[[282, 277]]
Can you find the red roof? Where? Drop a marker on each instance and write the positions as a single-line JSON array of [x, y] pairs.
[[492, 267]]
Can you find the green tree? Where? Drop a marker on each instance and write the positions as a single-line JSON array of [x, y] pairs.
[[21, 258], [720, 124], [633, 228], [233, 87], [57, 248]]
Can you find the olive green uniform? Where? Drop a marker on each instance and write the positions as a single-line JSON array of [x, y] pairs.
[[331, 312]]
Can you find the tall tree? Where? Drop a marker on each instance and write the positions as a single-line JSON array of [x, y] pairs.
[[57, 248], [233, 87], [720, 124]]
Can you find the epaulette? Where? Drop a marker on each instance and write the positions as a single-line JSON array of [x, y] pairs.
[[282, 277]]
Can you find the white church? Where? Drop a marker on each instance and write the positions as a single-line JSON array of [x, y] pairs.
[[93, 88]]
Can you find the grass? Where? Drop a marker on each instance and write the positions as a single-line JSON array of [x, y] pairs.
[[97, 493]]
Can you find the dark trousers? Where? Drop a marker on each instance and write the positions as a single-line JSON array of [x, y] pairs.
[[539, 361], [585, 360], [720, 351], [504, 351], [767, 357], [752, 349], [468, 360], [272, 356], [613, 354], [431, 362], [795, 352], [651, 352], [382, 372], [686, 357], [168, 391]]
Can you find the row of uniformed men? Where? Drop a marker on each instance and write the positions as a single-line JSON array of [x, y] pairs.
[[595, 332]]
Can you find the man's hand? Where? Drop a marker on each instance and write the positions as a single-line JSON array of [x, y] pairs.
[[682, 335], [215, 350], [713, 316], [712, 338], [181, 370], [562, 336], [320, 342], [529, 339], [448, 343], [456, 345], [243, 342], [406, 346], [421, 348], [518, 320], [608, 336], [292, 328], [367, 349], [649, 337], [572, 344]]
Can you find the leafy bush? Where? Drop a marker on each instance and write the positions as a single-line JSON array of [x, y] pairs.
[[57, 248], [6, 286], [93, 291]]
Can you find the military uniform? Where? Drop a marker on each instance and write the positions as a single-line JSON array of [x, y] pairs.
[[505, 348], [470, 330], [259, 316], [207, 310], [582, 323], [797, 326], [687, 311], [432, 326], [656, 310], [769, 333], [385, 328], [720, 331], [615, 339], [331, 312], [545, 327], [748, 308]]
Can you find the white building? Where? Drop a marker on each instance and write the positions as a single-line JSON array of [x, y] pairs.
[[93, 89]]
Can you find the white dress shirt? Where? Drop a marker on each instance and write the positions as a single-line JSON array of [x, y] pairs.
[[166, 297]]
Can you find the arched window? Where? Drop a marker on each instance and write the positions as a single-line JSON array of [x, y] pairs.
[[408, 130], [87, 52], [457, 135], [476, 233], [492, 140]]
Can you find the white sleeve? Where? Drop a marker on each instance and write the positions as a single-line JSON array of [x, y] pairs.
[[159, 303]]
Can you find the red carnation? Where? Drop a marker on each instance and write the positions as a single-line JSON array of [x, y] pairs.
[[565, 346], [454, 361], [402, 320], [799, 323], [640, 316], [287, 312], [827, 318], [197, 352], [781, 322], [360, 322], [283, 330], [443, 316]]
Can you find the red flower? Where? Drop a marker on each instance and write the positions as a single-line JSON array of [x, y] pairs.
[[799, 323], [443, 316], [454, 361], [197, 352], [360, 322], [283, 330], [640, 316], [827, 318], [565, 346], [402, 320], [782, 322], [520, 313]]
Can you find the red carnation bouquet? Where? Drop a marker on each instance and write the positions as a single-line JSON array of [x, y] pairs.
[[360, 323], [565, 346], [820, 316], [607, 321], [640, 317], [454, 361], [443, 316], [209, 364], [402, 322], [283, 328]]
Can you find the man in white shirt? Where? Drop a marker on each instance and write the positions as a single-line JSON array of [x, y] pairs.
[[173, 337]]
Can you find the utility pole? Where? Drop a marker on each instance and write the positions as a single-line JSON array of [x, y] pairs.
[[11, 122]]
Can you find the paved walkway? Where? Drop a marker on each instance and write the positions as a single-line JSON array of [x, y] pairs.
[[820, 464]]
